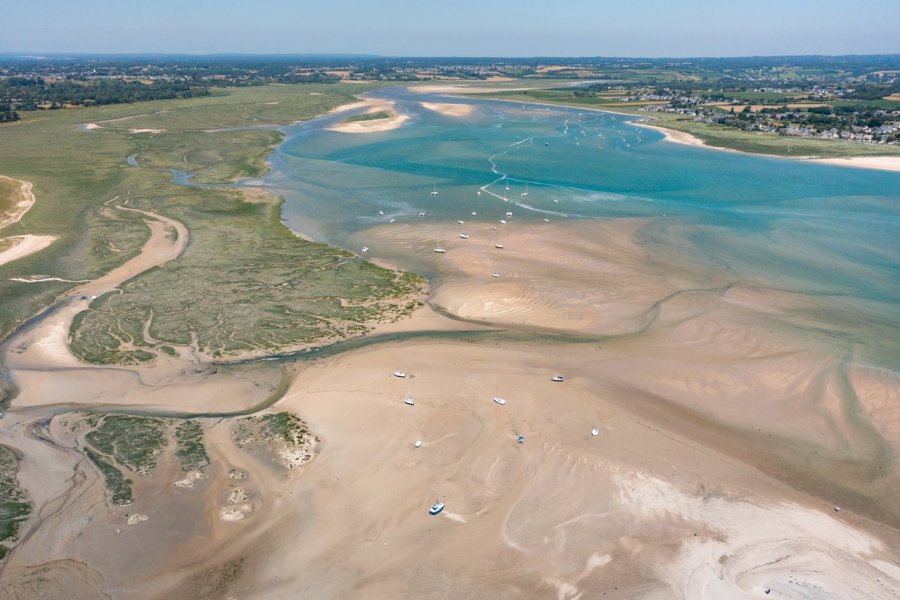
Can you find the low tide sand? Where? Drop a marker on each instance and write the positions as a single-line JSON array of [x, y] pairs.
[[729, 427]]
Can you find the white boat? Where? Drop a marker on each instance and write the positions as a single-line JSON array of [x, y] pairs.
[[439, 250], [498, 246], [495, 274], [461, 222], [381, 212], [464, 236], [422, 214], [558, 378], [478, 192], [393, 220], [474, 214], [400, 374], [508, 214], [434, 192], [365, 248], [525, 193], [499, 400], [507, 187], [556, 201], [546, 220], [503, 221], [409, 401], [418, 444], [436, 508], [595, 431]]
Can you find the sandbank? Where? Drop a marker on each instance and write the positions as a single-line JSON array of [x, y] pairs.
[[23, 245], [881, 163], [371, 126], [449, 109]]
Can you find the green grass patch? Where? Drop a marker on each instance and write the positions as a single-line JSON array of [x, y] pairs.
[[191, 451], [132, 442], [118, 487], [372, 116], [14, 503]]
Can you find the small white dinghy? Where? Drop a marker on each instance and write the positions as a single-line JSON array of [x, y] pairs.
[[595, 431], [436, 508], [365, 248], [558, 378], [409, 401], [495, 274], [499, 400], [464, 236], [498, 246], [418, 444], [400, 374]]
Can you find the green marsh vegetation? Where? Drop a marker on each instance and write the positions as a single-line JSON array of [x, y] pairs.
[[244, 284], [14, 504], [372, 116], [191, 452]]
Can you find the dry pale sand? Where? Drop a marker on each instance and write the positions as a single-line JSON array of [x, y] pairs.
[[448, 109], [639, 511], [394, 121], [23, 245], [881, 163]]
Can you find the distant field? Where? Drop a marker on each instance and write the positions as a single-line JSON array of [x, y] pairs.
[[244, 283]]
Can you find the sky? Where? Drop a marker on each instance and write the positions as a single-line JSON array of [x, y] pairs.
[[647, 28]]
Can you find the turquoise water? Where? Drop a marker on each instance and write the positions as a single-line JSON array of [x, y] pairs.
[[831, 232]]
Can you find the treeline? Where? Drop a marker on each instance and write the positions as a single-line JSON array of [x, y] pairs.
[[7, 114], [23, 93]]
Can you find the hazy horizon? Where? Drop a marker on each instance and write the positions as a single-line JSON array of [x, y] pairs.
[[581, 28]]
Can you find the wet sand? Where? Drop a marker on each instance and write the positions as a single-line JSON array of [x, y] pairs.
[[448, 109]]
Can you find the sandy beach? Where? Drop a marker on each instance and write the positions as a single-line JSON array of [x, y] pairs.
[[678, 137], [881, 163]]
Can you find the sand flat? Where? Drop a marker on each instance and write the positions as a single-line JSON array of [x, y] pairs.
[[449, 109], [23, 200], [23, 245]]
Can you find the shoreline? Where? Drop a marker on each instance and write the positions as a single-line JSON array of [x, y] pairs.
[[873, 163]]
